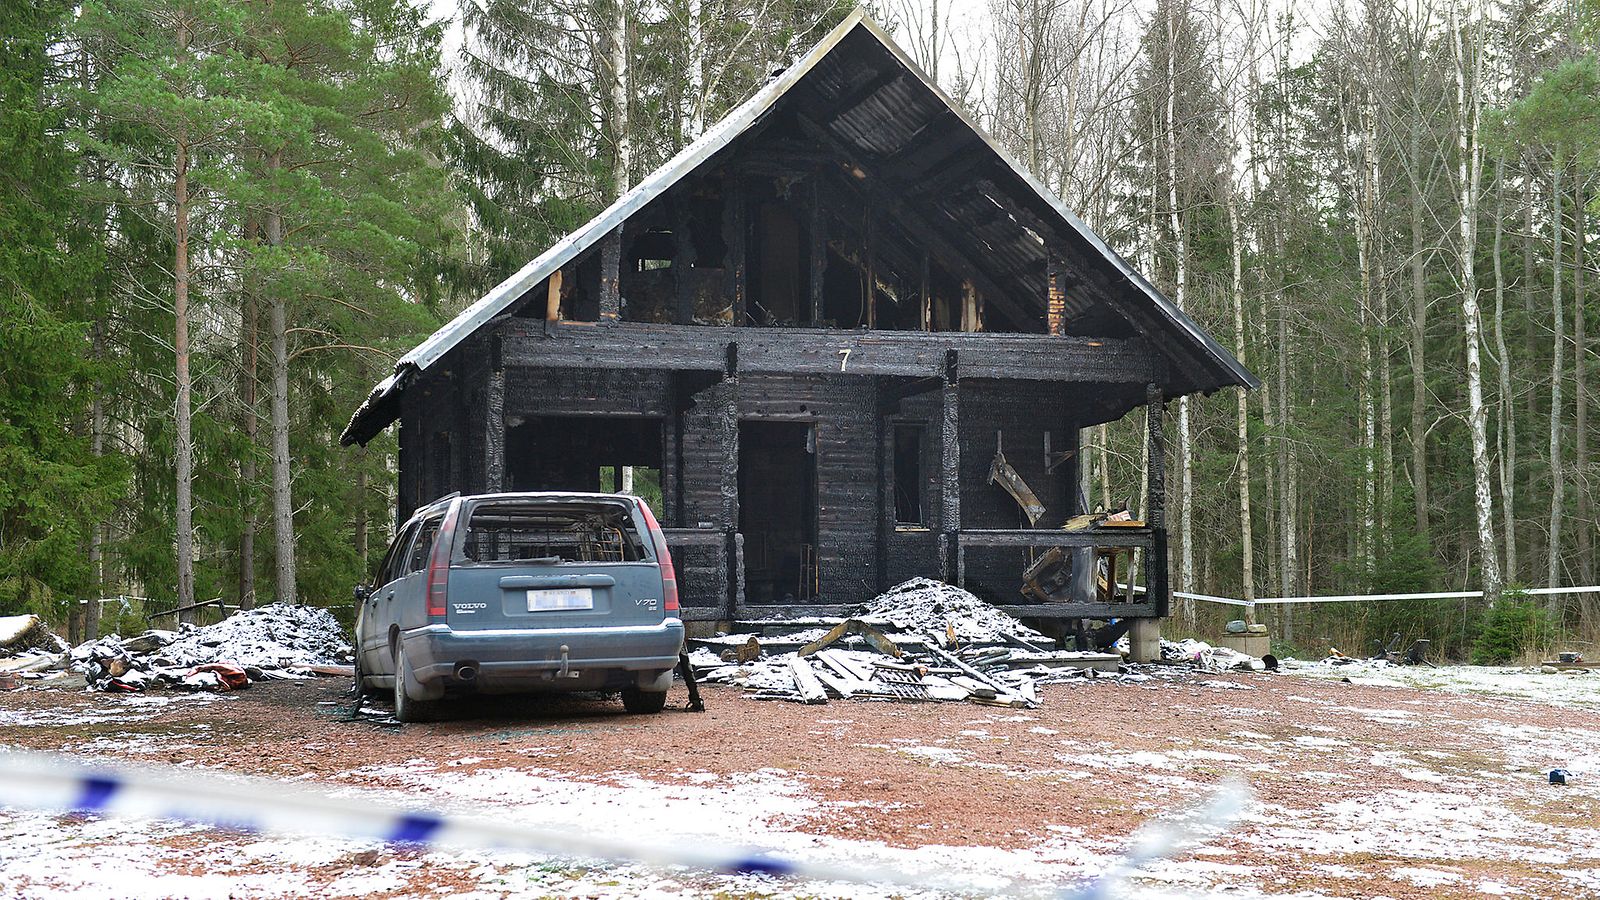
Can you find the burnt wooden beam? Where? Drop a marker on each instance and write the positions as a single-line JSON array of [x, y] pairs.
[[924, 154], [852, 102], [886, 482], [925, 296], [872, 275], [410, 464], [683, 260], [494, 422], [734, 233], [672, 457], [818, 253], [1081, 610], [728, 476], [812, 351], [610, 288], [950, 469], [1049, 537], [891, 393], [1160, 591]]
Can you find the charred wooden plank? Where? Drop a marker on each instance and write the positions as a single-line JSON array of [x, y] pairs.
[[915, 354], [1046, 537]]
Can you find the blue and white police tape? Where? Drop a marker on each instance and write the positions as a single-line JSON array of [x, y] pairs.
[[59, 783]]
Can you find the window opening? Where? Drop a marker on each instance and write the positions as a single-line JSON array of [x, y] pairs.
[[907, 470]]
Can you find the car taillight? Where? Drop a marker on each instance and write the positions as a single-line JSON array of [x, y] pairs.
[[669, 576], [439, 565]]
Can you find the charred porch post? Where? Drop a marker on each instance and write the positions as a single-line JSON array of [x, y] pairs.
[[950, 568], [728, 483], [1144, 636]]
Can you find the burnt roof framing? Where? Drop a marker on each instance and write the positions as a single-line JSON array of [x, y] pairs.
[[881, 112]]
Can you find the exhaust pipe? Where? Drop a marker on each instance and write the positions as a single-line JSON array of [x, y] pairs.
[[466, 671]]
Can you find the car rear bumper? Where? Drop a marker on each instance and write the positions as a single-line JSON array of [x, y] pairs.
[[553, 659]]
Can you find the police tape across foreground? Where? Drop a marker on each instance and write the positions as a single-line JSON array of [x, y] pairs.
[[60, 783]]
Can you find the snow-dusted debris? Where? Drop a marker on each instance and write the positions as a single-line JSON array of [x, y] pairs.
[[1206, 657], [925, 606], [278, 636], [24, 634]]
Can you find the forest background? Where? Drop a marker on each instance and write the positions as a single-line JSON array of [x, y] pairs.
[[222, 220]]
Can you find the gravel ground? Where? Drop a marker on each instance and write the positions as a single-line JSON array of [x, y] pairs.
[[1362, 790]]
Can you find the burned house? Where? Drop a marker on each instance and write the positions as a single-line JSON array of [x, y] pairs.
[[850, 339]]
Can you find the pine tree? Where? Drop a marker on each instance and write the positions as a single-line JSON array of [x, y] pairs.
[[54, 490]]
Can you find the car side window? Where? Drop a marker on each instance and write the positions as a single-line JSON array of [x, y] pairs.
[[418, 558], [390, 569]]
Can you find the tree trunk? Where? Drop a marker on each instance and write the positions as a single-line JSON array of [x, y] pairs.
[[1558, 342], [1508, 418], [247, 465], [1361, 195], [620, 126], [282, 492], [184, 523], [1580, 421], [1469, 164], [1246, 535], [97, 448], [1418, 347], [696, 120], [1185, 579]]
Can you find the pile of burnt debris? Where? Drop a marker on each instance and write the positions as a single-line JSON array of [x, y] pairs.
[[270, 642], [922, 640]]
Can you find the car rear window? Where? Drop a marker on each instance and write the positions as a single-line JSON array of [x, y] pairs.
[[505, 531]]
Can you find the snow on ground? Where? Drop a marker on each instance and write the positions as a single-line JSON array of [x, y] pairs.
[[1374, 788], [1571, 689]]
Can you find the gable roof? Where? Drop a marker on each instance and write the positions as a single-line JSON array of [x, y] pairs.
[[899, 106]]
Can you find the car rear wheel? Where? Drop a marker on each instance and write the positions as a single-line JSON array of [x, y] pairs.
[[405, 708], [637, 701]]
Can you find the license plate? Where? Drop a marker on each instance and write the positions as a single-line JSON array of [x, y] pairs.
[[563, 598]]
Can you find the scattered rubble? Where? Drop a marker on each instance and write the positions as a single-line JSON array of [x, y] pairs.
[[925, 640], [274, 641], [1208, 658]]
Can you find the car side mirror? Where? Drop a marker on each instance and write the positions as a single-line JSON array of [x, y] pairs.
[[362, 592]]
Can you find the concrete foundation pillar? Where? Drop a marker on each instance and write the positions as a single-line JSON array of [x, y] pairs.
[[1144, 640]]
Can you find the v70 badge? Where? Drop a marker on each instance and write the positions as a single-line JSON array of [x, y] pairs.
[[646, 602]]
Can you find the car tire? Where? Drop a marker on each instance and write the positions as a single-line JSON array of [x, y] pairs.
[[637, 701], [405, 708]]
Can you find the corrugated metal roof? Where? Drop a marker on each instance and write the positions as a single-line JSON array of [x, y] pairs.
[[885, 111]]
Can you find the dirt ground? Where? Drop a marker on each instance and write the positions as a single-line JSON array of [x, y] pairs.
[[1360, 791]]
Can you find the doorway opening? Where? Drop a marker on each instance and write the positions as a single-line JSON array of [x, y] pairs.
[[778, 511], [585, 453]]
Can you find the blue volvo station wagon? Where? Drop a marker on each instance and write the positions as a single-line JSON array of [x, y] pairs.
[[521, 593]]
